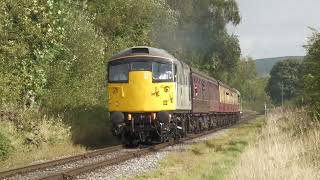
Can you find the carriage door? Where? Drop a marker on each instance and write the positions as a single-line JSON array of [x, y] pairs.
[[183, 87], [179, 85]]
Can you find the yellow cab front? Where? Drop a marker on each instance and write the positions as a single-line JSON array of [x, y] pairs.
[[141, 85]]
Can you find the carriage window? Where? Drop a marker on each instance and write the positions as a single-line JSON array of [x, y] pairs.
[[203, 86], [141, 66], [162, 71], [118, 72]]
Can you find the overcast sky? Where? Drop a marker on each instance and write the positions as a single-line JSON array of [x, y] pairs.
[[272, 28]]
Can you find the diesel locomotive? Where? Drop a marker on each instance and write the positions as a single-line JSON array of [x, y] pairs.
[[153, 97]]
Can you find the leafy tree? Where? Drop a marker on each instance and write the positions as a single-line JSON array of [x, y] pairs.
[[285, 75], [311, 87], [77, 78], [130, 23], [54, 49], [251, 86], [53, 53], [50, 54], [202, 36], [29, 42]]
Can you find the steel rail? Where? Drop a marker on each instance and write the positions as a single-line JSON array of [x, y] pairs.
[[44, 165], [73, 173]]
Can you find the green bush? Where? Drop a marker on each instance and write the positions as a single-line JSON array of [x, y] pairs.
[[29, 127], [5, 147]]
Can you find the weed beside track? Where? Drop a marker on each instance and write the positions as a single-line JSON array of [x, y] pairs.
[[211, 158]]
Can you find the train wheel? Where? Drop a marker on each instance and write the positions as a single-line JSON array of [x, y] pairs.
[[184, 127], [199, 123]]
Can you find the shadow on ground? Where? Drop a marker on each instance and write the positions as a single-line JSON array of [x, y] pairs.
[[90, 127]]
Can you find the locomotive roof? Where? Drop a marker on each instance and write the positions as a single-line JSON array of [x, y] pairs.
[[144, 51]]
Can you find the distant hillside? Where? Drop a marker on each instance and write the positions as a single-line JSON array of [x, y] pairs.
[[265, 65]]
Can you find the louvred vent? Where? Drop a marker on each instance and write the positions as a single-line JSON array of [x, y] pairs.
[[140, 50]]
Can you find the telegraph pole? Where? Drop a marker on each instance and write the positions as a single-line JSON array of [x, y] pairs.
[[282, 96], [282, 93]]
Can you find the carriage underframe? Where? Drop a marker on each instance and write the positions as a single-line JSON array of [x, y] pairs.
[[141, 129]]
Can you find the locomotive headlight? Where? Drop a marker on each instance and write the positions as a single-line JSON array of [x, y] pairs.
[[129, 117]]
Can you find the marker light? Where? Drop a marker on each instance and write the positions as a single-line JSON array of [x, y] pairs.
[[153, 116], [129, 117]]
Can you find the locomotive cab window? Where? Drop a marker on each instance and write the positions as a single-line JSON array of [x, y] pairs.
[[162, 72], [118, 72], [141, 66]]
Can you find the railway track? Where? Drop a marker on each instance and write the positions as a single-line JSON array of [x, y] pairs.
[[112, 156], [19, 172]]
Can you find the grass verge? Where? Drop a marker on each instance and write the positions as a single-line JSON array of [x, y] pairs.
[[30, 135], [288, 148], [21, 158], [27, 136], [211, 159]]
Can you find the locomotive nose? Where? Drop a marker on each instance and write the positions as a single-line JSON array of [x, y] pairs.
[[140, 83], [141, 94]]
